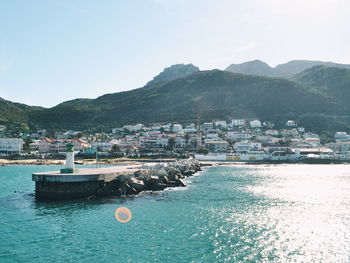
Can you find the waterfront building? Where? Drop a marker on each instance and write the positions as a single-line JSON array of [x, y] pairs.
[[339, 147], [11, 145], [247, 146], [216, 146], [101, 146]]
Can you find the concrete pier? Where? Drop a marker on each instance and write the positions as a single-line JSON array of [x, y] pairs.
[[85, 182], [112, 181]]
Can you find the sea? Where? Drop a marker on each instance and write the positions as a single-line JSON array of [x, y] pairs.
[[239, 213]]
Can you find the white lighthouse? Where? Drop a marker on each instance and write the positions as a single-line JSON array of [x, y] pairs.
[[69, 168]]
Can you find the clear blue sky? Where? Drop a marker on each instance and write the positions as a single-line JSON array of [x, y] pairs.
[[57, 50]]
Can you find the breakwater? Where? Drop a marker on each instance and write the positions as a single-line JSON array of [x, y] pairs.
[[113, 181]]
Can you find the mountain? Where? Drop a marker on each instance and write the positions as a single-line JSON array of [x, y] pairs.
[[317, 98], [12, 113], [173, 72], [255, 67], [287, 70], [203, 95], [332, 82]]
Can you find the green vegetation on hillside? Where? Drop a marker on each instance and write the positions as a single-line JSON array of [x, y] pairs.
[[317, 98]]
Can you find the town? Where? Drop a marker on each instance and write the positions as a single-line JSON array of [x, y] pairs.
[[220, 140]]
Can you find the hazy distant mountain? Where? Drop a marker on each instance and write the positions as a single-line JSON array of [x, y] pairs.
[[287, 70], [255, 67], [173, 72]]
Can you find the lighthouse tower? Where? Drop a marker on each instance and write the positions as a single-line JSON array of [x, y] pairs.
[[69, 169]]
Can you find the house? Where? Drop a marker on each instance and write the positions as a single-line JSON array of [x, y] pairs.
[[289, 133], [101, 146], [238, 136], [133, 128], [44, 145], [268, 124], [238, 122], [339, 146], [255, 124], [212, 135], [291, 123], [11, 145], [216, 146], [277, 148], [247, 146], [220, 124], [177, 128], [265, 139], [207, 125], [34, 145], [272, 132], [341, 137], [79, 144]]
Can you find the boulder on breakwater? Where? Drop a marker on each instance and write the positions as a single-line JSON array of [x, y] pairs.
[[156, 178]]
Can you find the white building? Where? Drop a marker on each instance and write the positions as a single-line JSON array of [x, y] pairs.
[[238, 122], [247, 146], [133, 128], [216, 146], [255, 124], [341, 137], [207, 126], [238, 136], [212, 136], [102, 146], [291, 123], [220, 124], [272, 132], [11, 145], [177, 128], [339, 146]]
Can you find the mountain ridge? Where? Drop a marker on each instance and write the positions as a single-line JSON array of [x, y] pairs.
[[318, 103], [285, 70]]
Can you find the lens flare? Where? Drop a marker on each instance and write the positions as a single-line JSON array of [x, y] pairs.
[[123, 214]]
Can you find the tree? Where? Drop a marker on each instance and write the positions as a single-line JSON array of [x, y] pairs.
[[24, 127], [26, 145], [187, 138], [171, 144], [79, 135], [115, 148]]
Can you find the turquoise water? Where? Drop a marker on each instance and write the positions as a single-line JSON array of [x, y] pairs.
[[287, 213]]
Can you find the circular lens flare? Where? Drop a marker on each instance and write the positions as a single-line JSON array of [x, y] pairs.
[[123, 214]]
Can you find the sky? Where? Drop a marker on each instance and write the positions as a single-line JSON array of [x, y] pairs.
[[57, 50]]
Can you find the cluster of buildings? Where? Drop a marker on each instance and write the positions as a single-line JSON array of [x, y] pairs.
[[238, 139]]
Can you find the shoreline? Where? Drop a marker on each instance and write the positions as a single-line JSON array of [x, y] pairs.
[[58, 162]]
